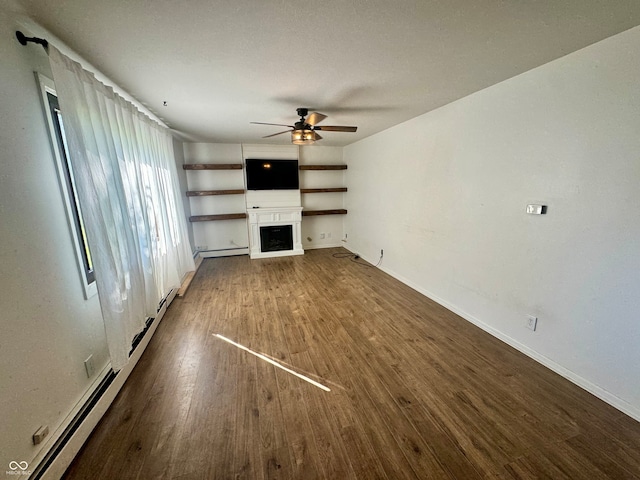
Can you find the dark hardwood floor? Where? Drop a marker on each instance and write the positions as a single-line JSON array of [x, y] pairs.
[[416, 392]]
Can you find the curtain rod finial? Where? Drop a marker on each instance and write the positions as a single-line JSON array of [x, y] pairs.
[[23, 39]]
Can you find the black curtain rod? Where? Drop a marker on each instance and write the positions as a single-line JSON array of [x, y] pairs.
[[23, 39]]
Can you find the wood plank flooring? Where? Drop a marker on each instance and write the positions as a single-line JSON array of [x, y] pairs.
[[416, 391]]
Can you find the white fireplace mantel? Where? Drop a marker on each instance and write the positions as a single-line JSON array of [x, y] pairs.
[[272, 216]]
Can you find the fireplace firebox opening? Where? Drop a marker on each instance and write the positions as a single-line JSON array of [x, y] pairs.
[[276, 238]]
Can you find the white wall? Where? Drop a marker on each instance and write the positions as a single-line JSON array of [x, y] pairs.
[[221, 235], [445, 194], [47, 328], [330, 225]]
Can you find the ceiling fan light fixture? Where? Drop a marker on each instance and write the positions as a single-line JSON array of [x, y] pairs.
[[303, 137], [303, 132]]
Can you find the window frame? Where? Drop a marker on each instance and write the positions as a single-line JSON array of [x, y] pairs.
[[66, 183]]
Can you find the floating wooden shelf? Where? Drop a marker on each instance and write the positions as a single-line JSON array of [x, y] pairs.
[[211, 218], [323, 167], [310, 213], [202, 193], [323, 190], [212, 166]]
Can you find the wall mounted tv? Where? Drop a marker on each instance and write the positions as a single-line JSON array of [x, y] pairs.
[[272, 174]]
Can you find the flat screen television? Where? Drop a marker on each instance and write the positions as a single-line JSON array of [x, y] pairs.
[[272, 174]]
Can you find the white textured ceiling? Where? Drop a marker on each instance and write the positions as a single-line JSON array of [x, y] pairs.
[[371, 63]]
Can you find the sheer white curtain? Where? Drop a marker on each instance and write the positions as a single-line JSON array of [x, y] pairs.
[[127, 185]]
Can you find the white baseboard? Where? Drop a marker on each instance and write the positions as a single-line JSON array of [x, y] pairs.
[[245, 251], [604, 395], [315, 247], [224, 253], [197, 260]]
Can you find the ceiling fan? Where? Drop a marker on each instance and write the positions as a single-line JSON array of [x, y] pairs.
[[303, 132]]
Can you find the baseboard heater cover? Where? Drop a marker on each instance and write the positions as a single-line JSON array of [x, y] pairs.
[[65, 438], [73, 426], [138, 338]]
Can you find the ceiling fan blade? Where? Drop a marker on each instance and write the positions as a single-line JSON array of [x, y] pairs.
[[314, 118], [317, 136], [336, 128], [276, 124], [279, 133]]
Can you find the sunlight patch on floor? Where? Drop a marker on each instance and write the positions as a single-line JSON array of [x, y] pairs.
[[273, 362]]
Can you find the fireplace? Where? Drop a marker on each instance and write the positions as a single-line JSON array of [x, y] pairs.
[[276, 238], [275, 232]]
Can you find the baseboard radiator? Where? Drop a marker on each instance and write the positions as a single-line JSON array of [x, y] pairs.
[[60, 455], [71, 429]]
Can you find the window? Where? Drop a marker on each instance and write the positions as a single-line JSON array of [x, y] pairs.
[[65, 174]]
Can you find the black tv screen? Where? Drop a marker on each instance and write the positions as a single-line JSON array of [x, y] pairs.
[[272, 174]]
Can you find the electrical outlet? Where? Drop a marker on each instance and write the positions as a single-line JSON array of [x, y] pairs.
[[322, 236], [532, 322], [88, 366], [536, 209]]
